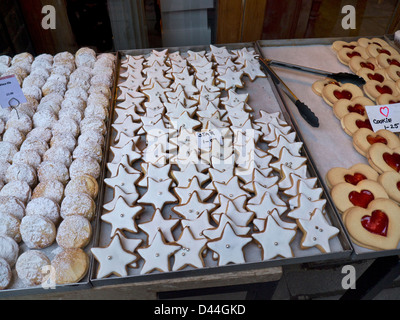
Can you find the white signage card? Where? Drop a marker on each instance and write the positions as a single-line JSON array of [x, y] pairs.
[[206, 137], [11, 94], [385, 117]]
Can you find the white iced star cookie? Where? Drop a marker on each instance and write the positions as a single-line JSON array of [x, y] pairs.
[[128, 127], [317, 232], [266, 118], [122, 216], [231, 189], [130, 198], [193, 207], [259, 224], [231, 79], [130, 245], [306, 187], [123, 179], [157, 255], [158, 194], [198, 225], [158, 173], [240, 217], [129, 149], [253, 70], [289, 160], [275, 240], [305, 208], [191, 252], [266, 206], [113, 259], [183, 177], [293, 147], [158, 222], [286, 175], [184, 193], [259, 191], [216, 232], [229, 247]]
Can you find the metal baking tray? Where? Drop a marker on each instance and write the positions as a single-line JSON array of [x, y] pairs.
[[317, 53], [19, 289], [262, 96]]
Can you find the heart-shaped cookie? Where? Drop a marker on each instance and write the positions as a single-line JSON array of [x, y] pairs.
[[357, 63], [390, 181], [375, 227], [364, 138], [393, 72], [388, 99], [352, 175], [345, 54], [368, 74], [343, 107], [384, 159], [331, 93], [317, 86], [346, 195], [365, 42], [353, 122], [375, 50], [339, 44], [373, 89], [384, 61]]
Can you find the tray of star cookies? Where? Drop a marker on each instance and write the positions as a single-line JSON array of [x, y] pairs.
[[359, 167], [51, 158], [205, 172]]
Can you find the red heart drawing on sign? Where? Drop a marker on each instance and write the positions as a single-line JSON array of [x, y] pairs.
[[384, 111]]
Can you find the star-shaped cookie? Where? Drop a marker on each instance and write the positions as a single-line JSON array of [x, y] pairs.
[[193, 208], [184, 193], [158, 222], [158, 194]]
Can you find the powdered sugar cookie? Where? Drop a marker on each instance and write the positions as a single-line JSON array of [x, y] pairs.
[[74, 232], [37, 232], [78, 204], [51, 170], [317, 232], [70, 265], [382, 158], [346, 195], [44, 207], [363, 139], [13, 206], [85, 165], [9, 250], [30, 266], [18, 189], [21, 172], [51, 189], [352, 175], [5, 274]]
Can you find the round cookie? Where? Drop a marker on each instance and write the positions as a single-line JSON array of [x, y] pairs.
[[70, 265], [343, 107], [78, 204], [5, 274], [352, 175], [346, 195], [37, 232], [44, 207], [51, 189], [84, 183], [365, 42], [29, 267], [10, 226], [385, 61], [13, 206], [21, 172], [85, 165], [339, 44], [9, 250], [331, 93], [384, 159], [390, 181], [376, 49], [51, 170], [364, 138], [74, 232]]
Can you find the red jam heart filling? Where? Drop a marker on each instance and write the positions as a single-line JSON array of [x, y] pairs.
[[393, 101], [342, 94], [354, 179], [384, 51], [393, 62], [353, 54], [367, 65], [392, 160], [398, 185], [361, 199], [377, 223], [384, 89], [376, 76], [349, 46], [363, 124], [377, 139], [398, 73], [358, 108]]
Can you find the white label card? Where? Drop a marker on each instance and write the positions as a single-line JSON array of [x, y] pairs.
[[385, 117], [205, 138], [11, 94]]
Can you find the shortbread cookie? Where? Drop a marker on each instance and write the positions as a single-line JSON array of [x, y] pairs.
[[373, 89], [30, 266], [70, 265], [376, 49], [363, 139], [386, 98], [367, 74], [365, 42], [10, 226], [5, 274], [343, 107], [317, 232], [375, 227], [157, 254], [51, 189], [346, 195], [390, 181], [84, 183], [12, 206], [386, 61], [45, 207], [358, 63], [78, 204], [74, 232], [345, 54], [319, 85], [339, 44], [353, 122], [383, 159], [393, 72], [274, 240], [9, 250], [352, 175], [331, 93]]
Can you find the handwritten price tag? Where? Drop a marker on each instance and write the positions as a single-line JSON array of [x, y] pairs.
[[205, 138], [384, 117], [11, 94]]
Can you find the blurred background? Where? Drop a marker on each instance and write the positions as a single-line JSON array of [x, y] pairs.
[[111, 25]]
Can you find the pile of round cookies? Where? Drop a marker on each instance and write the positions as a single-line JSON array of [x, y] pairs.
[[367, 195], [50, 153], [188, 176]]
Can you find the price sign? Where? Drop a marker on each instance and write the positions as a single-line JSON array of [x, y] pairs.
[[206, 137], [385, 117], [11, 94]]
